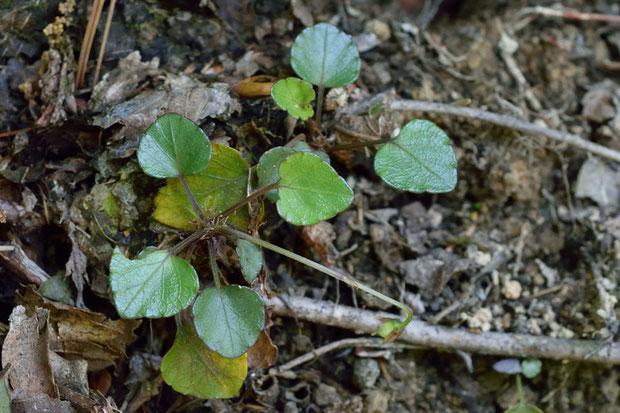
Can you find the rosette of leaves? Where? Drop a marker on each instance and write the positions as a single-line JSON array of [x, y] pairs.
[[207, 191], [158, 283]]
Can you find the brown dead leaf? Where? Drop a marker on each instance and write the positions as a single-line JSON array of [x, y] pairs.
[[81, 334], [101, 381], [255, 86], [319, 237], [57, 85], [76, 267], [70, 373], [263, 353], [180, 94], [121, 82], [25, 348], [302, 12]]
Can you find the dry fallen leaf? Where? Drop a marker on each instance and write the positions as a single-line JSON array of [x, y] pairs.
[[81, 334], [255, 86], [76, 266], [263, 353], [319, 237], [25, 348]]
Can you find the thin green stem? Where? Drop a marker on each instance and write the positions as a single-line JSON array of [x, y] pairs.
[[192, 199], [346, 278], [247, 200], [319, 106], [213, 264], [520, 390]]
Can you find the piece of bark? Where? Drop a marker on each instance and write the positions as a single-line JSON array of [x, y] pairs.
[[20, 264]]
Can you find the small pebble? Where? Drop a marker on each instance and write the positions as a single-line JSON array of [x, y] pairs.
[[379, 28], [480, 320], [377, 401], [512, 289], [326, 395], [366, 371]]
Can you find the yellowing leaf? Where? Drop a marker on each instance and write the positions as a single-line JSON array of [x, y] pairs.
[[219, 186], [191, 368]]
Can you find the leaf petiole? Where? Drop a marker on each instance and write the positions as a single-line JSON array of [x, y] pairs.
[[346, 278], [213, 264], [247, 200], [319, 105], [192, 199]]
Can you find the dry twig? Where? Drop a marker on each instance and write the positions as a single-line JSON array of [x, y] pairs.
[[570, 14], [19, 263], [420, 333], [104, 41], [505, 121], [347, 342], [87, 42]]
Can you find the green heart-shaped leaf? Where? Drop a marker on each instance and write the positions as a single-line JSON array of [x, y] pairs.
[[216, 188], [325, 56], [310, 190], [192, 369], [250, 258], [270, 162], [156, 284], [294, 95], [229, 319], [173, 146], [420, 159], [531, 367]]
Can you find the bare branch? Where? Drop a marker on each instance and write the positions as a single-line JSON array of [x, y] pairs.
[[420, 333], [570, 14], [507, 122]]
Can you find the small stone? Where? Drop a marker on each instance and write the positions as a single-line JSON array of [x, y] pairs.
[[336, 98], [379, 28], [598, 105], [377, 401], [482, 258], [366, 41], [365, 372], [290, 407], [480, 320], [326, 395], [512, 290], [598, 182]]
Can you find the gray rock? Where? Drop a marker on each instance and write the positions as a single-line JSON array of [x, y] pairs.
[[366, 371], [598, 182], [326, 395], [431, 272]]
